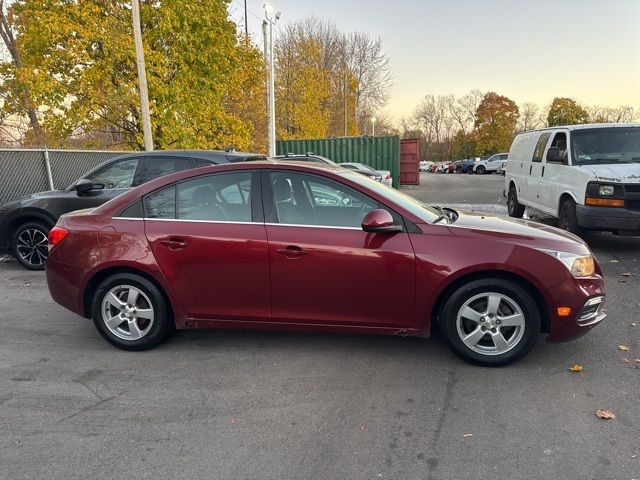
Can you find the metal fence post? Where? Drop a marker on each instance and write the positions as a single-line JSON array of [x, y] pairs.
[[47, 164]]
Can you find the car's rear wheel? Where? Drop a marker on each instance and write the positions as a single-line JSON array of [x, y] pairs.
[[131, 313], [491, 322], [29, 245], [480, 170], [568, 219], [514, 208]]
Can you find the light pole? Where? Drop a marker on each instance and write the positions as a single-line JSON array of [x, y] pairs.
[[373, 126], [272, 17], [142, 77]]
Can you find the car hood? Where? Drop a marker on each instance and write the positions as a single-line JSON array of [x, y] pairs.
[[514, 230], [47, 194], [622, 172]]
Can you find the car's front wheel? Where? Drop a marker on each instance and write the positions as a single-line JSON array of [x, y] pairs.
[[491, 322], [514, 208], [29, 245], [480, 170], [131, 313], [568, 219]]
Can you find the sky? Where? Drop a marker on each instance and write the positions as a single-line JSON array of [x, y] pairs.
[[530, 51]]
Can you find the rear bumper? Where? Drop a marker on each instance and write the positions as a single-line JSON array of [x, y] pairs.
[[609, 219], [63, 282], [576, 293]]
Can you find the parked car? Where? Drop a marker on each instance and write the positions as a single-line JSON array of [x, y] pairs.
[[451, 168], [443, 167], [25, 223], [587, 176], [465, 166], [257, 245], [490, 165], [384, 175], [425, 166], [435, 167], [502, 169]]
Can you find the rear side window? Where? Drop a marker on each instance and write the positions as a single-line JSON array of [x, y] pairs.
[[203, 163], [540, 146], [154, 167], [161, 204], [223, 197], [134, 210]]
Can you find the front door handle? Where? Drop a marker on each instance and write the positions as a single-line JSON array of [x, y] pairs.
[[292, 251], [174, 243], [543, 171]]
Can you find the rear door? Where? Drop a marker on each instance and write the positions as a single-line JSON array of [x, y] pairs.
[[534, 178], [208, 236], [325, 269]]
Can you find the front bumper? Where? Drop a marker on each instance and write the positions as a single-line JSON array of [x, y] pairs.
[[579, 294], [609, 219]]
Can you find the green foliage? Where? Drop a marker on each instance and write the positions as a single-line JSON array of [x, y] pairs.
[[496, 119], [205, 85], [565, 111]]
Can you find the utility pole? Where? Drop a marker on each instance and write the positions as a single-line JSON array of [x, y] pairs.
[[265, 41], [246, 25], [272, 19], [142, 77]]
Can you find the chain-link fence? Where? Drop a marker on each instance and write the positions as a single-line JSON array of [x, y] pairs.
[[25, 171]]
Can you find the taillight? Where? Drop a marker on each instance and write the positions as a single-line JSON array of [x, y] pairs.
[[56, 235]]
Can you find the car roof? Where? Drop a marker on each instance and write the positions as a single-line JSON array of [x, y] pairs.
[[586, 126], [230, 155]]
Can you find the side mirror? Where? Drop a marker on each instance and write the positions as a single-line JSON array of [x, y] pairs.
[[85, 185], [553, 155], [379, 221]]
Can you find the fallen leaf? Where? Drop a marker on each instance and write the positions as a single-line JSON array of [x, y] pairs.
[[614, 261], [27, 283], [624, 348], [637, 360], [232, 421], [605, 414], [468, 435], [624, 360], [627, 274], [576, 368], [633, 324]]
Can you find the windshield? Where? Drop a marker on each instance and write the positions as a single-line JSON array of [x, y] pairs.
[[606, 145], [425, 212]]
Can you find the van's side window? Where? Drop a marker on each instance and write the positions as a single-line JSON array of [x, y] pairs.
[[560, 142], [542, 143]]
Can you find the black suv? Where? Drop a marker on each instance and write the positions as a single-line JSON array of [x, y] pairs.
[[25, 223]]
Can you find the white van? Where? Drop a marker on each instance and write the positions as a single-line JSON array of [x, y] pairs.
[[587, 176]]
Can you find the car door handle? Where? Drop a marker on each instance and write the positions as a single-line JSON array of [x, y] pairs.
[[292, 251], [543, 171], [174, 243], [530, 169]]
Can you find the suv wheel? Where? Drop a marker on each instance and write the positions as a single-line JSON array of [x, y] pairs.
[[491, 322], [568, 220], [29, 245], [514, 208], [480, 169], [131, 313]]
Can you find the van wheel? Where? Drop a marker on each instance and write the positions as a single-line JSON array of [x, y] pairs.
[[568, 220], [480, 170], [491, 322], [515, 209], [131, 313]]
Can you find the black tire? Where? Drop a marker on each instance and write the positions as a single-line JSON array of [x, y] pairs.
[[515, 209], [458, 169], [568, 220], [29, 244], [159, 330], [480, 170], [523, 339]]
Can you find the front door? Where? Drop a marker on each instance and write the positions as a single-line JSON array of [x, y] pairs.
[[324, 269], [209, 239]]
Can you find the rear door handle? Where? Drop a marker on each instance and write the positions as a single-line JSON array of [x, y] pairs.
[[174, 243], [292, 251]]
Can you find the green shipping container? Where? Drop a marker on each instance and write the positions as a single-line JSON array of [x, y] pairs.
[[381, 153]]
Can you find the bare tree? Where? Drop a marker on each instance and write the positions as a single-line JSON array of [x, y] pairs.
[[529, 117], [25, 99], [470, 102]]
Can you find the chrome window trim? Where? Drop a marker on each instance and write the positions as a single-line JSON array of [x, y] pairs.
[[200, 221], [311, 226]]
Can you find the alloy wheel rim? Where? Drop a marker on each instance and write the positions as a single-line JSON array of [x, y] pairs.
[[32, 247], [127, 312], [490, 323]]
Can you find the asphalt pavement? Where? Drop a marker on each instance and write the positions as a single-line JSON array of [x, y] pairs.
[[255, 405]]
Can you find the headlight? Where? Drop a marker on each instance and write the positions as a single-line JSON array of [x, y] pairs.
[[606, 190], [578, 265]]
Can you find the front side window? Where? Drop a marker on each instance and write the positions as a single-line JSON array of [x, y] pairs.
[[154, 167], [220, 197], [117, 175], [540, 146], [303, 199]]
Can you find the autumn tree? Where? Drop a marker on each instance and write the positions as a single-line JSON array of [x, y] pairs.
[[81, 71], [496, 119], [566, 111]]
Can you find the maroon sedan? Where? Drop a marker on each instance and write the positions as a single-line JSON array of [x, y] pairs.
[[283, 246]]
